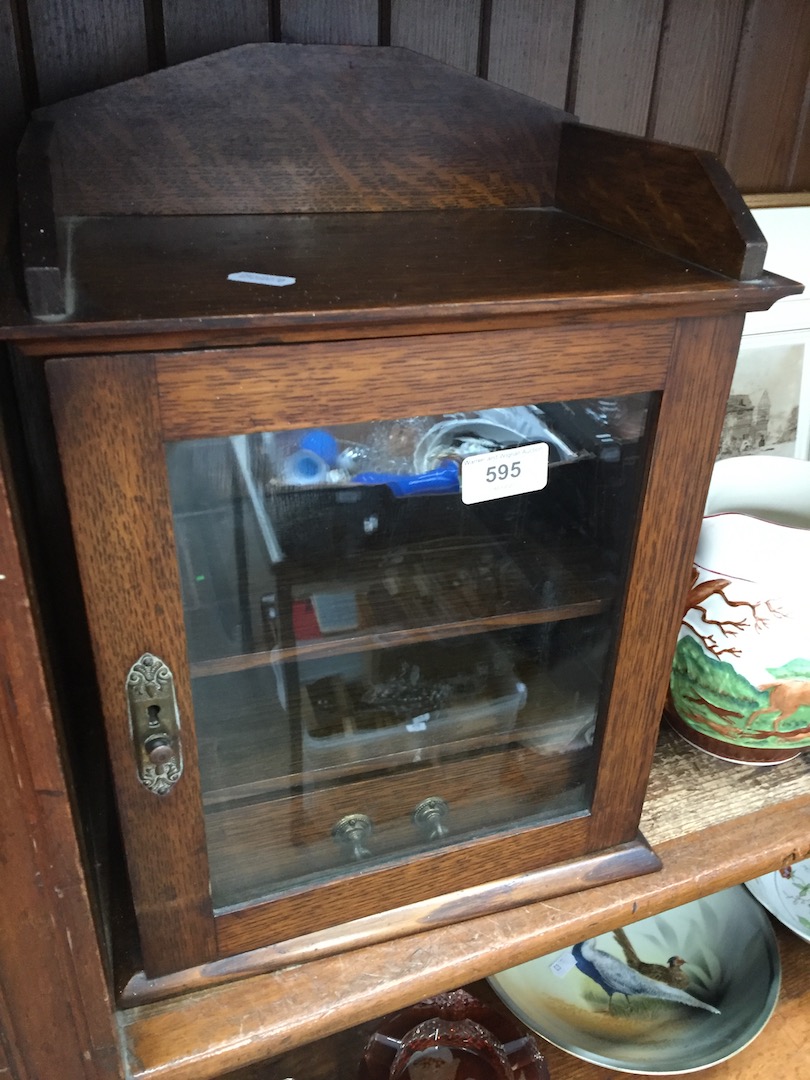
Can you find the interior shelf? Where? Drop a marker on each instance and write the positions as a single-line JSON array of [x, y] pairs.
[[439, 597], [242, 760]]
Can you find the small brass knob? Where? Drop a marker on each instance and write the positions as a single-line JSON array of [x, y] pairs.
[[429, 817], [352, 832], [159, 749]]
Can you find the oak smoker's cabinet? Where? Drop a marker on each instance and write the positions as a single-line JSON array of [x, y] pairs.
[[383, 541]]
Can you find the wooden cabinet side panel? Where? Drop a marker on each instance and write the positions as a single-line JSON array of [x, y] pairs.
[[56, 1016], [692, 409], [675, 199], [106, 420]]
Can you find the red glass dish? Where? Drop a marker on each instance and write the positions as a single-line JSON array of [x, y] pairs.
[[453, 1036]]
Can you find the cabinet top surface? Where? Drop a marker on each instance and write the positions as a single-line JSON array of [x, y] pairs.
[[391, 187], [334, 273]]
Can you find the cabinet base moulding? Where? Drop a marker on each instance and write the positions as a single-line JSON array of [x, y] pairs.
[[623, 861]]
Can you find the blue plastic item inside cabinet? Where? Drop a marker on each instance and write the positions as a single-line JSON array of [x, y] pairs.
[[443, 480]]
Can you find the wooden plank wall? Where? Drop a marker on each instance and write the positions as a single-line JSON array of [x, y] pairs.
[[730, 76]]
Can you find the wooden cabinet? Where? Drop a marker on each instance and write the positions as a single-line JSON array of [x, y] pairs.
[[480, 644], [347, 693]]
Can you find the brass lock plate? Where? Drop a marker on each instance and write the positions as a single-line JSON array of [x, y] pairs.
[[154, 724]]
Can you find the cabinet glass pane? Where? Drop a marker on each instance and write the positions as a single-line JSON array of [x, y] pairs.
[[389, 652]]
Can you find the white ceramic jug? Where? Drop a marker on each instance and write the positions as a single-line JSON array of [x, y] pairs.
[[740, 684]]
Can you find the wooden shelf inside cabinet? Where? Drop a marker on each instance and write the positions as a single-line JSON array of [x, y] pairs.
[[439, 593], [714, 825]]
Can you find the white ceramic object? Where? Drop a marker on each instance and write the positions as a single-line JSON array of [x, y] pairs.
[[491, 428], [786, 894], [740, 685], [732, 962]]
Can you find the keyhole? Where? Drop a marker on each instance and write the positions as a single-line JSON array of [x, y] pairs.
[[154, 713]]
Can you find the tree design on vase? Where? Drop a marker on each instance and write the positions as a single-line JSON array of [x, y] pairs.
[[711, 689]]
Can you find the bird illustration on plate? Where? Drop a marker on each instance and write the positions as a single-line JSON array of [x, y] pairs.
[[633, 977]]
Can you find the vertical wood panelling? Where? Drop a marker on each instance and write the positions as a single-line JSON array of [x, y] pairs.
[[353, 22], [12, 107], [768, 94], [799, 179], [615, 63], [79, 45], [695, 70], [199, 27], [449, 31], [530, 47], [667, 68]]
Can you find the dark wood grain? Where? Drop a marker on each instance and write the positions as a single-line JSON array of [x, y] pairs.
[[692, 410], [530, 47], [102, 46], [353, 22], [198, 28], [343, 128], [449, 31], [354, 270], [226, 393], [696, 62], [38, 339], [209, 1036], [84, 44], [105, 416], [768, 93], [56, 1016], [678, 200], [617, 46]]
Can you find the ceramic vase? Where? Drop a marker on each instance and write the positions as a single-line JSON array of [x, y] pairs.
[[740, 684]]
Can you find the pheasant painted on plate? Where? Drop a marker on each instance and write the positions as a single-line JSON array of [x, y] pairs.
[[670, 994]]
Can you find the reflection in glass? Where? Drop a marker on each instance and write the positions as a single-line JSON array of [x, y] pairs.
[[380, 667]]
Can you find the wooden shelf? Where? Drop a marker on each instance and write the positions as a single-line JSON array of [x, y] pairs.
[[241, 760], [433, 602], [779, 1049], [712, 824]]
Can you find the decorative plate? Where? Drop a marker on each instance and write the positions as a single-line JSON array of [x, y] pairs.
[[701, 982], [786, 894]]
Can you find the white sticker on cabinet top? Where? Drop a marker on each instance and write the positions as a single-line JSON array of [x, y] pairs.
[[504, 472]]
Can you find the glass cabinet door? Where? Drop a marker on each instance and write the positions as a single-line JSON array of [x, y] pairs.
[[400, 633]]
